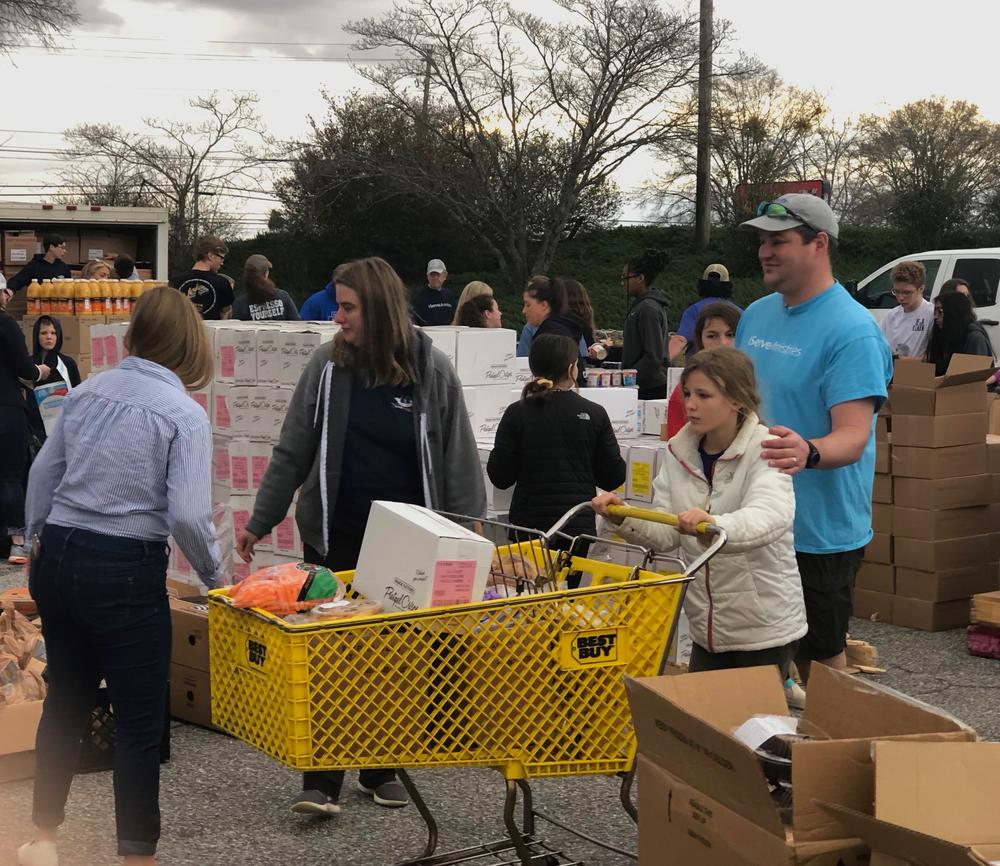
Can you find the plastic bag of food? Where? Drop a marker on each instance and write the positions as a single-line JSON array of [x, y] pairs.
[[18, 636], [290, 588], [332, 611]]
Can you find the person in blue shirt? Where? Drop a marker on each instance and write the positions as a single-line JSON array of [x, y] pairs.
[[320, 307], [823, 367], [713, 287]]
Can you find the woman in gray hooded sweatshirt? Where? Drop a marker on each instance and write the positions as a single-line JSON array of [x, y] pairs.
[[380, 415]]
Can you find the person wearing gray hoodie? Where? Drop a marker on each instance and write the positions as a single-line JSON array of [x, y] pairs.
[[377, 415], [644, 344]]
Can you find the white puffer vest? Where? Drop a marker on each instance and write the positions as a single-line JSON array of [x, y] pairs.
[[749, 597]]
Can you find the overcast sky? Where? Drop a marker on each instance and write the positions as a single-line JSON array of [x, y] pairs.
[[131, 59]]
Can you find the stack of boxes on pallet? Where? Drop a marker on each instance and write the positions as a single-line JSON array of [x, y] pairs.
[[934, 544]]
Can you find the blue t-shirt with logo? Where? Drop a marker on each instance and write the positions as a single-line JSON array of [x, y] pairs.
[[809, 358]]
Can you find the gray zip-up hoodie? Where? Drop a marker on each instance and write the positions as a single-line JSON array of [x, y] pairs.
[[311, 447], [644, 341]]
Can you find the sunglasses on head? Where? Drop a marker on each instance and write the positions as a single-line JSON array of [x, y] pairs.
[[778, 210]]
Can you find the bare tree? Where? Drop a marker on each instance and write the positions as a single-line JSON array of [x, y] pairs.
[[177, 164], [42, 20], [607, 80]]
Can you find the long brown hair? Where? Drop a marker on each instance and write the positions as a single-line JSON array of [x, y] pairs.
[[729, 313], [383, 357], [578, 302], [167, 330], [732, 373]]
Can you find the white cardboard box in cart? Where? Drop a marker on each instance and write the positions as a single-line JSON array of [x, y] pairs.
[[412, 558], [622, 406]]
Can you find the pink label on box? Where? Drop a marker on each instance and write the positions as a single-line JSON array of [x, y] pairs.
[[97, 351], [227, 361], [240, 520], [453, 581], [284, 534], [201, 398], [111, 351], [220, 461], [259, 464], [222, 420], [241, 473]]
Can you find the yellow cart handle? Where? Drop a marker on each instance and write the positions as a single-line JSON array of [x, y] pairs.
[[652, 516]]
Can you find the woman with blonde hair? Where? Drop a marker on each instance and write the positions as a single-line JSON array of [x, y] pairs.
[[128, 464], [379, 416], [472, 290], [748, 610], [96, 269]]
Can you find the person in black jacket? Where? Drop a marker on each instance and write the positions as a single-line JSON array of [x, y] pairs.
[[45, 265], [644, 343], [15, 364], [47, 338], [955, 331], [546, 308], [556, 446]]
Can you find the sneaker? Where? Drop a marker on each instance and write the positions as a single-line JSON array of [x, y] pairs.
[[392, 794], [38, 853], [795, 695], [18, 555], [315, 803]]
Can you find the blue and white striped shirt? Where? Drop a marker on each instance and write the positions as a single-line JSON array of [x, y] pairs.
[[130, 456]]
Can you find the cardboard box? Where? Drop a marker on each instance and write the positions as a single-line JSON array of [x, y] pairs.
[[239, 466], [992, 453], [224, 351], [949, 553], [285, 536], [879, 549], [279, 398], [431, 562], [940, 431], [522, 373], [941, 524], [869, 604], [191, 695], [952, 462], [943, 493], [882, 463], [268, 356], [20, 247], [245, 347], [882, 489], [497, 501], [986, 607], [486, 405], [189, 627], [881, 517], [485, 356], [947, 585], [241, 411], [84, 365], [642, 466], [931, 805], [222, 413], [881, 428], [622, 406], [917, 391], [18, 726], [876, 577], [654, 416], [930, 615], [684, 726], [306, 343], [445, 338]]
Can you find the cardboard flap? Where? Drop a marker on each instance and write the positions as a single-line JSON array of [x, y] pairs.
[[848, 708], [915, 848], [942, 788], [669, 714], [912, 373]]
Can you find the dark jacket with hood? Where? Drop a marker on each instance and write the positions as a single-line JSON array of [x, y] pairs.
[[311, 447], [50, 358], [38, 269], [15, 364], [644, 343], [557, 448]]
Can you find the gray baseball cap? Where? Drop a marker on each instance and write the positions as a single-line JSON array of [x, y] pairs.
[[436, 266], [796, 209]]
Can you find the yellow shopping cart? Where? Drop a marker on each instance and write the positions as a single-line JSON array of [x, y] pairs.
[[529, 683]]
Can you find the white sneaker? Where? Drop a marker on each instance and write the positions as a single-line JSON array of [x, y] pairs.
[[795, 695], [38, 853]]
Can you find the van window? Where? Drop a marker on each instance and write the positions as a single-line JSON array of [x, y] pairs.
[[982, 275], [877, 295]]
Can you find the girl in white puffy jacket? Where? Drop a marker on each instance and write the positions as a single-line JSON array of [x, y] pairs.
[[746, 608]]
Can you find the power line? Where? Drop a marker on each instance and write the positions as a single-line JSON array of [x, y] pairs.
[[138, 54]]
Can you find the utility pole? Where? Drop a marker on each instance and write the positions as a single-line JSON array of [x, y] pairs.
[[425, 114], [194, 214], [703, 188]]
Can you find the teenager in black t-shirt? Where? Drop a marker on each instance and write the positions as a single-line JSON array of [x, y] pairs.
[[205, 287]]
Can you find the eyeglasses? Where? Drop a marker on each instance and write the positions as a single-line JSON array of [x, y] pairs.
[[778, 210], [907, 293], [219, 255]]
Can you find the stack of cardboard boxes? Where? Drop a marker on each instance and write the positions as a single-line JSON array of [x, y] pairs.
[[934, 543]]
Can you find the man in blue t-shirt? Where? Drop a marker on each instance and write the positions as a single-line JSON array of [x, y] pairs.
[[822, 368]]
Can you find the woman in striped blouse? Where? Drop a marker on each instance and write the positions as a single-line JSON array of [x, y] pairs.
[[128, 464]]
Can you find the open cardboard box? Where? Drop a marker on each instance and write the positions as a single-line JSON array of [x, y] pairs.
[[917, 391], [945, 790], [18, 726], [684, 725]]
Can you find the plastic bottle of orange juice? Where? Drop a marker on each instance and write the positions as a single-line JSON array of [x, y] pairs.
[[71, 295], [34, 298], [135, 292], [46, 296]]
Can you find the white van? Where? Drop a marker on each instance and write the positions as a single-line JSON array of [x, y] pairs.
[[979, 268]]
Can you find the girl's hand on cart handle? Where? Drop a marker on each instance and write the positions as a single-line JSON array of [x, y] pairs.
[[687, 521], [600, 505], [244, 545]]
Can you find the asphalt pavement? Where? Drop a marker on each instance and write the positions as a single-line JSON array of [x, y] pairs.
[[223, 803]]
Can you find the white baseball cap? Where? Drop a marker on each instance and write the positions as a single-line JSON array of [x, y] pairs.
[[436, 266]]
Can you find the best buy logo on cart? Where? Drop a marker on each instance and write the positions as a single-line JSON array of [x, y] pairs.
[[600, 647], [251, 654]]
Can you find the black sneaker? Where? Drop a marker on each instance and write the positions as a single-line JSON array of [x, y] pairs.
[[392, 794], [315, 803]]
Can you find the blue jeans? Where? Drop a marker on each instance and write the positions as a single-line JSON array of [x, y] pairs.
[[105, 615]]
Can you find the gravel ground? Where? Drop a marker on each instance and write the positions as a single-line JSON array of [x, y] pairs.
[[223, 803]]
